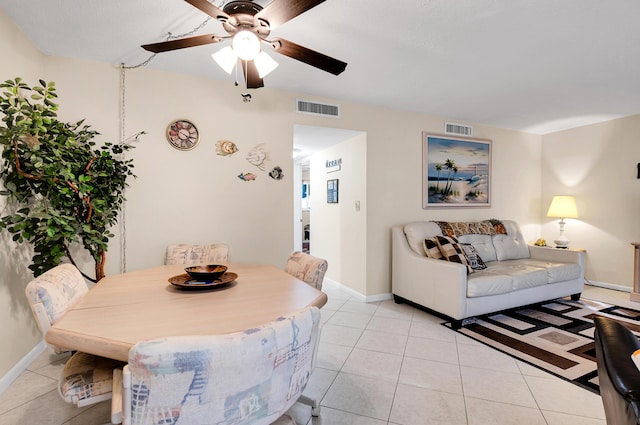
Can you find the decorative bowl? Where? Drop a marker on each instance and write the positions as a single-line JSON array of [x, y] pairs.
[[207, 273]]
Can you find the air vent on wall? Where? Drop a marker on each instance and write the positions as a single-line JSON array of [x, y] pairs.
[[315, 108], [452, 128]]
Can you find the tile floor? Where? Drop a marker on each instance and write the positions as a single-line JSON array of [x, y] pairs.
[[378, 364]]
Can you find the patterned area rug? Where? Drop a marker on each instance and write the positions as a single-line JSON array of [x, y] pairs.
[[556, 336]]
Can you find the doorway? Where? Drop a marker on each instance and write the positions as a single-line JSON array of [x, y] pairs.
[[308, 140]]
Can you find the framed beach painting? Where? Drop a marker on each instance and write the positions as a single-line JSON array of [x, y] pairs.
[[456, 171]]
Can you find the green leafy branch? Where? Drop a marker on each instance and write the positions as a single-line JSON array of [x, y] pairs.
[[61, 188]]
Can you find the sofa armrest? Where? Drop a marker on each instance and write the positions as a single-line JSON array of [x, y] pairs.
[[436, 284]]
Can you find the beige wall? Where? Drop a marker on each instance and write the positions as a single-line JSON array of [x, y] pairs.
[[598, 165], [18, 331], [394, 176], [339, 232]]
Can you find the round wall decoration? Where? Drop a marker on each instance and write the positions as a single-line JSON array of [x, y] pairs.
[[183, 135]]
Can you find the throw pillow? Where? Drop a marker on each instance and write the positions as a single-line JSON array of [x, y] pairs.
[[452, 251], [473, 258], [432, 250]]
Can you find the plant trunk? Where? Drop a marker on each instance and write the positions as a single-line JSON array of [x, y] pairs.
[[100, 266]]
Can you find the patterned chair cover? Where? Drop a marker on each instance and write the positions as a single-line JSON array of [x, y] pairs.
[[307, 268], [197, 254], [56, 291], [251, 377], [86, 378]]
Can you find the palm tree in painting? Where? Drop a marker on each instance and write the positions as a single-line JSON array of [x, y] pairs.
[[438, 169], [450, 164]]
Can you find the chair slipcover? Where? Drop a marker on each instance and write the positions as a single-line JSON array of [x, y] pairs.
[[58, 290], [84, 376], [307, 268], [251, 377], [197, 254]]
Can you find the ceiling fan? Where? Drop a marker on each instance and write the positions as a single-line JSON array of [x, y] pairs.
[[249, 25]]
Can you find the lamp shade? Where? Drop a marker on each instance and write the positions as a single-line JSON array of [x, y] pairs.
[[563, 207], [226, 58], [246, 45], [264, 64]]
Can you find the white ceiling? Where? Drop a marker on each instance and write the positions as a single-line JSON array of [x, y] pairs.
[[531, 65]]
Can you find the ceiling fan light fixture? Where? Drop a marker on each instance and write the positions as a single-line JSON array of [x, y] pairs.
[[246, 45], [226, 58], [265, 64]]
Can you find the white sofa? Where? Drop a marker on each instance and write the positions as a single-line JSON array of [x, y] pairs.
[[517, 274]]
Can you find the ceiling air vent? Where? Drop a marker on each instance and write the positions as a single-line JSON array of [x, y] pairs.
[[315, 108], [452, 128]]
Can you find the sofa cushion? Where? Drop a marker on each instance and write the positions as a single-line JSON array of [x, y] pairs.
[[473, 258], [431, 249], [558, 272], [482, 244], [486, 282], [501, 278], [452, 251], [417, 232], [511, 246], [523, 272]]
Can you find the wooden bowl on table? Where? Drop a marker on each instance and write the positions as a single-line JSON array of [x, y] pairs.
[[206, 273]]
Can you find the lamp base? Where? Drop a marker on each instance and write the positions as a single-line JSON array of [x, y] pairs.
[[562, 241]]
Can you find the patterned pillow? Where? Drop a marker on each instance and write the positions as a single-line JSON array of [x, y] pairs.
[[473, 258], [431, 249], [483, 228], [452, 251]]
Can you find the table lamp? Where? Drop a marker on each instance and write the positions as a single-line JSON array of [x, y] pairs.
[[562, 207]]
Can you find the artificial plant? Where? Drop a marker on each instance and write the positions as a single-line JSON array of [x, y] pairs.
[[62, 191]]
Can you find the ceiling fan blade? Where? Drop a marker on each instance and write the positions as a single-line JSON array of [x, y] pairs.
[[209, 9], [251, 75], [308, 56], [280, 11], [181, 43]]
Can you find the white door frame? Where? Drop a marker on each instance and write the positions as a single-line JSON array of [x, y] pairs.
[[297, 206]]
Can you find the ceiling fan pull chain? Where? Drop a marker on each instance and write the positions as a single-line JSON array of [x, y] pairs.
[[123, 211]]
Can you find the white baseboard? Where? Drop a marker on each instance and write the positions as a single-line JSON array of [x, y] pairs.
[[21, 366], [356, 294], [622, 288], [379, 297]]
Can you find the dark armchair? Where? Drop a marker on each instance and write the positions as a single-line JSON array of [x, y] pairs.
[[618, 375]]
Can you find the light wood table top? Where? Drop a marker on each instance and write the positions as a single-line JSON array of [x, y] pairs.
[[121, 310]]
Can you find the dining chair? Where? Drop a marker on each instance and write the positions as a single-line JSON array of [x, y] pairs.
[[217, 253], [310, 270], [307, 268], [85, 379], [248, 377]]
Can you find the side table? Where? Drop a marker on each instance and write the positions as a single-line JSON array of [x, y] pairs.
[[570, 248]]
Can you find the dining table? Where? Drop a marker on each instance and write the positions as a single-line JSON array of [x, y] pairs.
[[124, 309]]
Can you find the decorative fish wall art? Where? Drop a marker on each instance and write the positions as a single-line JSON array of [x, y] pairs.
[[257, 156], [226, 147], [276, 173], [247, 177]]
